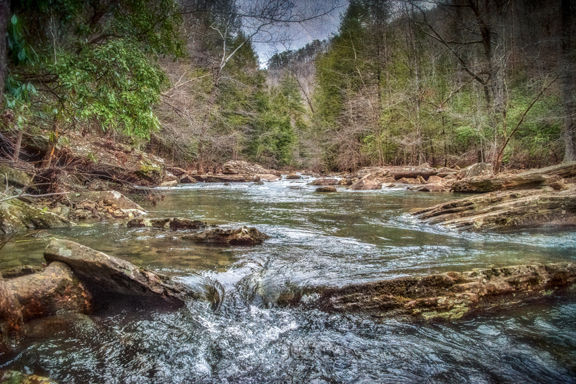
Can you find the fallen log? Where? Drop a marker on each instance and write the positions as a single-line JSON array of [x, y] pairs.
[[530, 179], [505, 210], [447, 296]]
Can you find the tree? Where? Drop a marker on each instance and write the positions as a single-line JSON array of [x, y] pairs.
[[568, 77]]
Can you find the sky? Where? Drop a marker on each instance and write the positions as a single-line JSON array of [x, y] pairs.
[[282, 37]]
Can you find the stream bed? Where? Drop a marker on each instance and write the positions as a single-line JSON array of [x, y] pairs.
[[332, 239]]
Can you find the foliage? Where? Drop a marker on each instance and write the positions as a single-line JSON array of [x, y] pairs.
[[113, 84]]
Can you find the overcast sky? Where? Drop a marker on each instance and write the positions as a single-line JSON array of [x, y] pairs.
[[295, 35]]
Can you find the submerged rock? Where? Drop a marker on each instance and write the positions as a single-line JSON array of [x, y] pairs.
[[506, 210], [229, 236], [16, 215], [448, 296], [107, 275]]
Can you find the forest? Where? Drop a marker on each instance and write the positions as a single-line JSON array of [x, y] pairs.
[[399, 82], [287, 191]]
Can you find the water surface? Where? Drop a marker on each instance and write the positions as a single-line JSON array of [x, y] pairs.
[[316, 239]]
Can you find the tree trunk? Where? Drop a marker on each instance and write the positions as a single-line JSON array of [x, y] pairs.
[[568, 78], [4, 19], [17, 147]]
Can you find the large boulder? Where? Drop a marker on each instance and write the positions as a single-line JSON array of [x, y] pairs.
[[228, 236], [16, 215], [447, 296], [106, 275], [55, 290]]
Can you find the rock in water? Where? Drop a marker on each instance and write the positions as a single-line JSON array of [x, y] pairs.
[[325, 182], [448, 296], [232, 236], [53, 291], [326, 189], [108, 275], [172, 223]]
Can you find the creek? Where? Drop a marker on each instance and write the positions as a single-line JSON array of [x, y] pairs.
[[331, 239]]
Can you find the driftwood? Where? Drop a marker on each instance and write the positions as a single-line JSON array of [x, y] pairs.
[[447, 296], [506, 210]]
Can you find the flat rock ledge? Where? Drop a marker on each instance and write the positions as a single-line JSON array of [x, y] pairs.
[[444, 296], [506, 211]]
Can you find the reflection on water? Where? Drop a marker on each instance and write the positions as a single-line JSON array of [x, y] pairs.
[[316, 239]]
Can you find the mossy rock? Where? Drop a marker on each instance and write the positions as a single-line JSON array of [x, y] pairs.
[[16, 215], [15, 177]]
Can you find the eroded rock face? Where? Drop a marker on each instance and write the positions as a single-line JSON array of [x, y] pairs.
[[505, 211], [107, 275], [16, 215], [448, 296], [228, 236]]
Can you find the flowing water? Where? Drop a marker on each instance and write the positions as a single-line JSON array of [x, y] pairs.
[[316, 240]]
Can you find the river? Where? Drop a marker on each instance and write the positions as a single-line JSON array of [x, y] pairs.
[[331, 239]]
